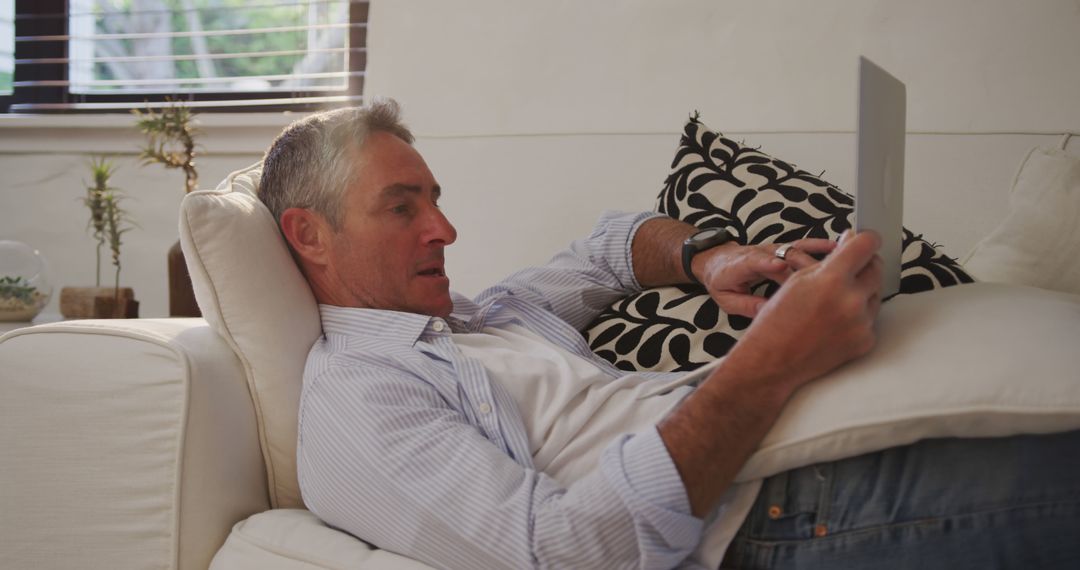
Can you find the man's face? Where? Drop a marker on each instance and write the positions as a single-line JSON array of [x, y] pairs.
[[388, 253]]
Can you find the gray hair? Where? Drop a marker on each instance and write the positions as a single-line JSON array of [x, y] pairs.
[[309, 166]]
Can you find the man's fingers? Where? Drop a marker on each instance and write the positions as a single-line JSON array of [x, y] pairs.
[[765, 265], [870, 278], [742, 304], [816, 246], [855, 252], [798, 259], [800, 254], [873, 306]]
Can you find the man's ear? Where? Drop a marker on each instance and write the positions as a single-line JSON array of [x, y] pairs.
[[307, 233]]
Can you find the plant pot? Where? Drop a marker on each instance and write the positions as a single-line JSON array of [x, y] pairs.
[[106, 307], [98, 303], [181, 295]]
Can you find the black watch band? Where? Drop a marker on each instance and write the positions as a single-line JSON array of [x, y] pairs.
[[699, 242]]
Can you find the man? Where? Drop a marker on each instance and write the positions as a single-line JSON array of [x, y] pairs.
[[483, 434]]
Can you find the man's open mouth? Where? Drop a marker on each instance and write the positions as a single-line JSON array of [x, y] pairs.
[[433, 272]]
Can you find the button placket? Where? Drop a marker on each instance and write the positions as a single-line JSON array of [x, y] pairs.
[[478, 387], [474, 381]]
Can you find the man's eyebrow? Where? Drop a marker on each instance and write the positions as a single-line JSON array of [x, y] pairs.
[[396, 190]]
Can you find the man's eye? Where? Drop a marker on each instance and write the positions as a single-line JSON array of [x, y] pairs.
[[400, 209]]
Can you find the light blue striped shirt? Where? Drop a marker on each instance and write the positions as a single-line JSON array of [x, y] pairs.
[[408, 444]]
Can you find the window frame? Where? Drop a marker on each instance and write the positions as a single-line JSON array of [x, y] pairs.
[[49, 17]]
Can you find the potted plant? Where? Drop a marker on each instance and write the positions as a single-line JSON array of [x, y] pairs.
[[108, 223], [170, 141]]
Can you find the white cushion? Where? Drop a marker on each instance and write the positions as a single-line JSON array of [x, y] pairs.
[[251, 292], [295, 539], [976, 360], [1038, 242]]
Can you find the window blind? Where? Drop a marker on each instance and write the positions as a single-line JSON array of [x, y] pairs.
[[107, 55], [7, 45]]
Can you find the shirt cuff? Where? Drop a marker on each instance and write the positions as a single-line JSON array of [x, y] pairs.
[[649, 483], [618, 230]]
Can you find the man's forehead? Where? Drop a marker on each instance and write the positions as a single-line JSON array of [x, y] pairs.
[[387, 167]]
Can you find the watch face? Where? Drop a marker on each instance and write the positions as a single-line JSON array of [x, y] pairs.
[[706, 234]]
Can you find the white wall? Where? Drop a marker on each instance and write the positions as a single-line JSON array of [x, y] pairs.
[[537, 115], [563, 107], [630, 66], [45, 160]]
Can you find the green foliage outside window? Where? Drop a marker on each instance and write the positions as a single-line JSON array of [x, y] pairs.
[[162, 16]]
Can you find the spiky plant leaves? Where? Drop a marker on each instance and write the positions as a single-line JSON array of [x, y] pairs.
[[170, 139]]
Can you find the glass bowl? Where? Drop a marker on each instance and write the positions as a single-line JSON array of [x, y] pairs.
[[25, 286]]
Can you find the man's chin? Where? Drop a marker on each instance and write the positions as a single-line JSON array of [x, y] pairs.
[[430, 295], [445, 308], [441, 307]]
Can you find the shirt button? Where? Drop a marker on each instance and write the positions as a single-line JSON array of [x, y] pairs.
[[438, 326], [485, 408]]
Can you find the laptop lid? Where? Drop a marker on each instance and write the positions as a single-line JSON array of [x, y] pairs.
[[879, 176]]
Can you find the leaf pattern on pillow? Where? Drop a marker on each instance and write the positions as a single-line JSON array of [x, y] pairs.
[[718, 182]]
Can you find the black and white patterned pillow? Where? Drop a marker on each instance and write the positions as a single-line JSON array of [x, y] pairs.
[[718, 182]]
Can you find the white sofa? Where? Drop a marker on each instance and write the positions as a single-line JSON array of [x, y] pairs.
[[133, 444], [141, 443], [127, 444]]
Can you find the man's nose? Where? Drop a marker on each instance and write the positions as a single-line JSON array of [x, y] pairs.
[[440, 229]]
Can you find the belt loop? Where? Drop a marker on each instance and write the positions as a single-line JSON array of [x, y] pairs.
[[824, 475], [776, 496]]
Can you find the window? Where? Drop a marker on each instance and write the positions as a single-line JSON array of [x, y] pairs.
[[235, 55], [7, 45]]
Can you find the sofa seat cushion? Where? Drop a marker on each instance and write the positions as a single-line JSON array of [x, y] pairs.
[[978, 360], [295, 539]]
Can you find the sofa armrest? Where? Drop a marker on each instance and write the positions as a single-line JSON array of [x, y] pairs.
[[125, 444]]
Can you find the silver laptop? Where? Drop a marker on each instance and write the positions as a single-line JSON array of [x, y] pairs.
[[879, 175]]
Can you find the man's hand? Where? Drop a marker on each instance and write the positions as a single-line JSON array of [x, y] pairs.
[[822, 316], [730, 271]]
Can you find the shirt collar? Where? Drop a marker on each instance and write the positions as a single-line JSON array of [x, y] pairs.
[[393, 326]]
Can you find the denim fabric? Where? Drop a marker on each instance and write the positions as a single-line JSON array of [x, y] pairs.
[[945, 503]]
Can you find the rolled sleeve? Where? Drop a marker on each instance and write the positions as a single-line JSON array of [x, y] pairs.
[[644, 476], [584, 279], [614, 237]]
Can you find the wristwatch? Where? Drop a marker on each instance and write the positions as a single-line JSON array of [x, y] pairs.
[[699, 242]]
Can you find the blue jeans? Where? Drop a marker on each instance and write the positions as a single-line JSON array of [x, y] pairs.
[[945, 503]]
